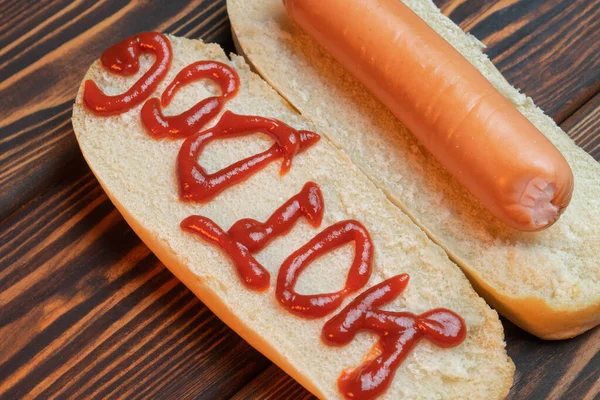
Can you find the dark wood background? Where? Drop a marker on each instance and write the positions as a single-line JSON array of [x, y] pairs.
[[87, 311]]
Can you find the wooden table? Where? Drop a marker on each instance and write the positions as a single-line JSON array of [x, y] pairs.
[[87, 311]]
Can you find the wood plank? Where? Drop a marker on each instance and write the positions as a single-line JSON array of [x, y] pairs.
[[87, 310], [546, 48], [566, 369], [34, 153], [584, 127], [274, 384]]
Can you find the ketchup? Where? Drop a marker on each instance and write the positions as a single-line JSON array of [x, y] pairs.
[[248, 236], [398, 332], [179, 126], [123, 59], [195, 184], [319, 305], [254, 275], [255, 235]]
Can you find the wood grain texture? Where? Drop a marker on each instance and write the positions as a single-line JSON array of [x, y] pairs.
[[546, 48], [86, 311], [545, 370], [273, 384], [568, 369], [584, 127]]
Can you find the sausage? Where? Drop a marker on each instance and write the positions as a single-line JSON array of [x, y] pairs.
[[453, 110]]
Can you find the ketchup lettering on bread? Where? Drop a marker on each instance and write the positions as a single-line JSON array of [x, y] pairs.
[[318, 305], [399, 332], [192, 120], [195, 184], [252, 273], [248, 236], [255, 235], [123, 59], [455, 112]]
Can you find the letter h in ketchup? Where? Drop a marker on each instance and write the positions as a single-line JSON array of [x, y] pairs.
[[399, 332]]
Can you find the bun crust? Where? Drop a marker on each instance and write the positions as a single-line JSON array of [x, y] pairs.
[[138, 173]]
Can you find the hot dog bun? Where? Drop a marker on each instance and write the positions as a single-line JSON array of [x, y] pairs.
[[546, 282], [469, 127], [138, 174]]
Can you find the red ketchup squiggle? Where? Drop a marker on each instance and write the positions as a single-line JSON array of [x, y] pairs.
[[398, 332], [255, 235], [252, 273], [180, 126], [248, 236], [123, 59], [195, 184], [319, 305]]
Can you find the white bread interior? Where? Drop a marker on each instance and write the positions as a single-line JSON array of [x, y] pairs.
[[139, 175], [546, 282]]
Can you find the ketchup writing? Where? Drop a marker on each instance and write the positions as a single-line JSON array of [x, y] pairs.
[[398, 333], [319, 305], [192, 120], [123, 59], [195, 184], [248, 236], [255, 235], [254, 275]]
